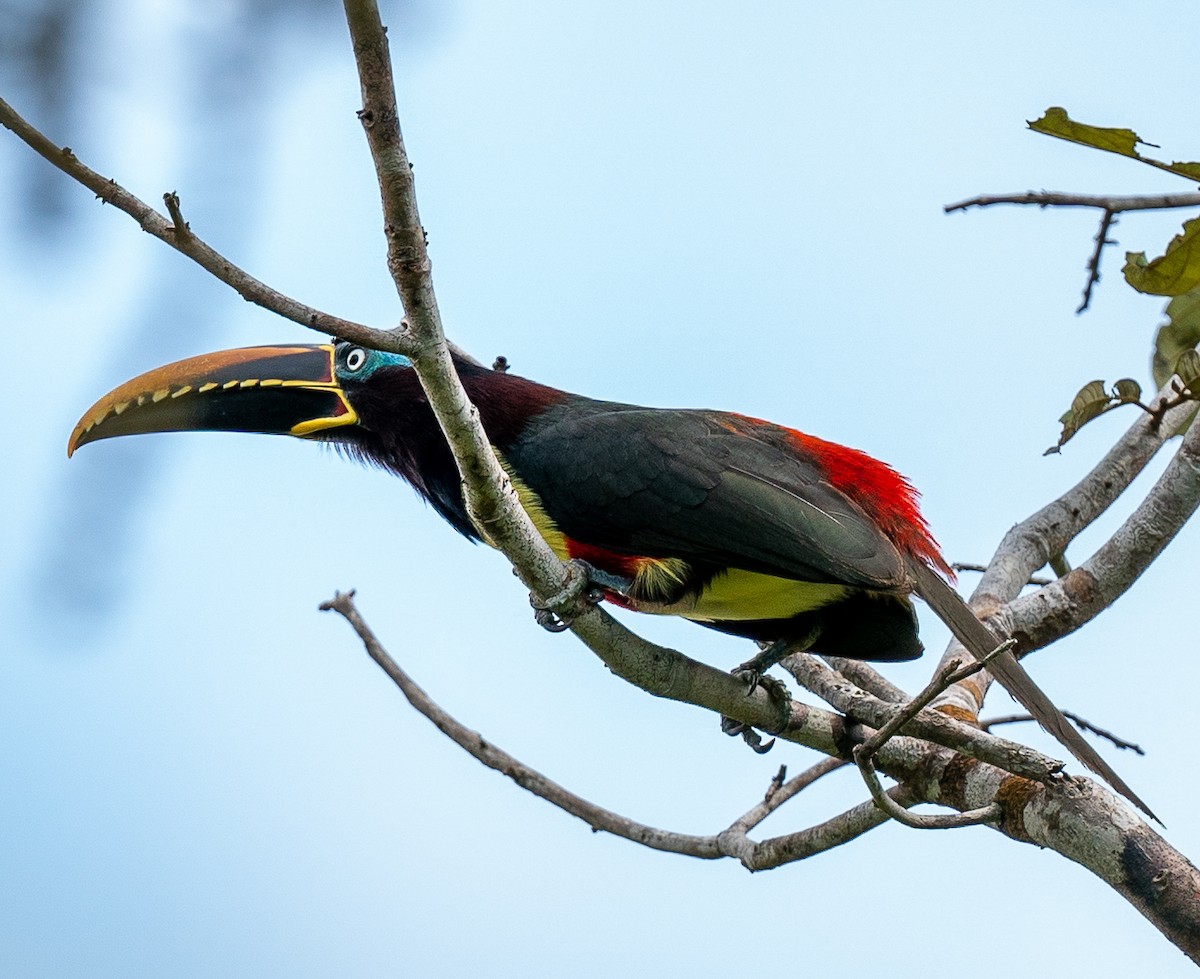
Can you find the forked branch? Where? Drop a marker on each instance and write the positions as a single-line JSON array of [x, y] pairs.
[[732, 842], [1109, 206]]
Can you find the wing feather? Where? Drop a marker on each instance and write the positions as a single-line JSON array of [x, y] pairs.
[[703, 486]]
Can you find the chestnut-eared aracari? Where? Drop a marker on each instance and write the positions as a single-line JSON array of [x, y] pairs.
[[735, 523]]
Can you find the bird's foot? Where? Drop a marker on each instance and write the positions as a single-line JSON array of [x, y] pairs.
[[584, 583], [776, 690], [749, 735], [753, 669]]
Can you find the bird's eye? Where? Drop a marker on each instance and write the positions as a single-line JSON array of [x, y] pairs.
[[355, 359]]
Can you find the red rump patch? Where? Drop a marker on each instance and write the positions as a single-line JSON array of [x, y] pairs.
[[624, 565], [621, 565], [886, 496]]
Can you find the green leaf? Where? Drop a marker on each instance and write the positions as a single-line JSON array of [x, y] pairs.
[[1056, 122], [1175, 348], [1124, 142], [1092, 401], [1127, 390], [1181, 332], [1188, 369], [1189, 170], [1174, 272]]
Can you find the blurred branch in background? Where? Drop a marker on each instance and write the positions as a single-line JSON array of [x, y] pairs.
[[218, 61]]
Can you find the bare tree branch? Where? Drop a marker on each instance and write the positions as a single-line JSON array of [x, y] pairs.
[[864, 754], [869, 679], [1066, 604], [491, 500], [1043, 538], [478, 747], [1051, 198], [732, 842], [1035, 541], [1086, 824], [178, 233], [929, 725], [990, 813], [792, 847], [168, 231], [1110, 205]]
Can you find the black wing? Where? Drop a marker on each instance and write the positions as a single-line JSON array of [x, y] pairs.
[[703, 486]]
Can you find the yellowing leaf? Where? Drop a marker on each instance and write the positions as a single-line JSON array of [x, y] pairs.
[[1174, 272], [1189, 170], [1091, 402], [1175, 348], [1181, 332], [1127, 390], [1188, 369], [1056, 122]]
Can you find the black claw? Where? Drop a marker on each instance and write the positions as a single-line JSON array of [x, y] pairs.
[[731, 727], [752, 677], [549, 621], [749, 735], [758, 746]]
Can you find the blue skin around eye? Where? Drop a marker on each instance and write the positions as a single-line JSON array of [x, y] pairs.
[[375, 360]]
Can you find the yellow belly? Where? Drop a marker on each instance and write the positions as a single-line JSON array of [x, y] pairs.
[[737, 595]]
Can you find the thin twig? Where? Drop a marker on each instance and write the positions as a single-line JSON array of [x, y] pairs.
[[946, 676], [1110, 205], [981, 568], [784, 792], [864, 754], [929, 725], [491, 501], [1114, 204], [1083, 723], [1108, 735], [991, 813], [181, 228], [1093, 265]]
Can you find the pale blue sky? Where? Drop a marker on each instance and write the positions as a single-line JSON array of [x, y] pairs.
[[693, 204]]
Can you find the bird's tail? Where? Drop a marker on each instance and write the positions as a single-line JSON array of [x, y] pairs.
[[980, 642]]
